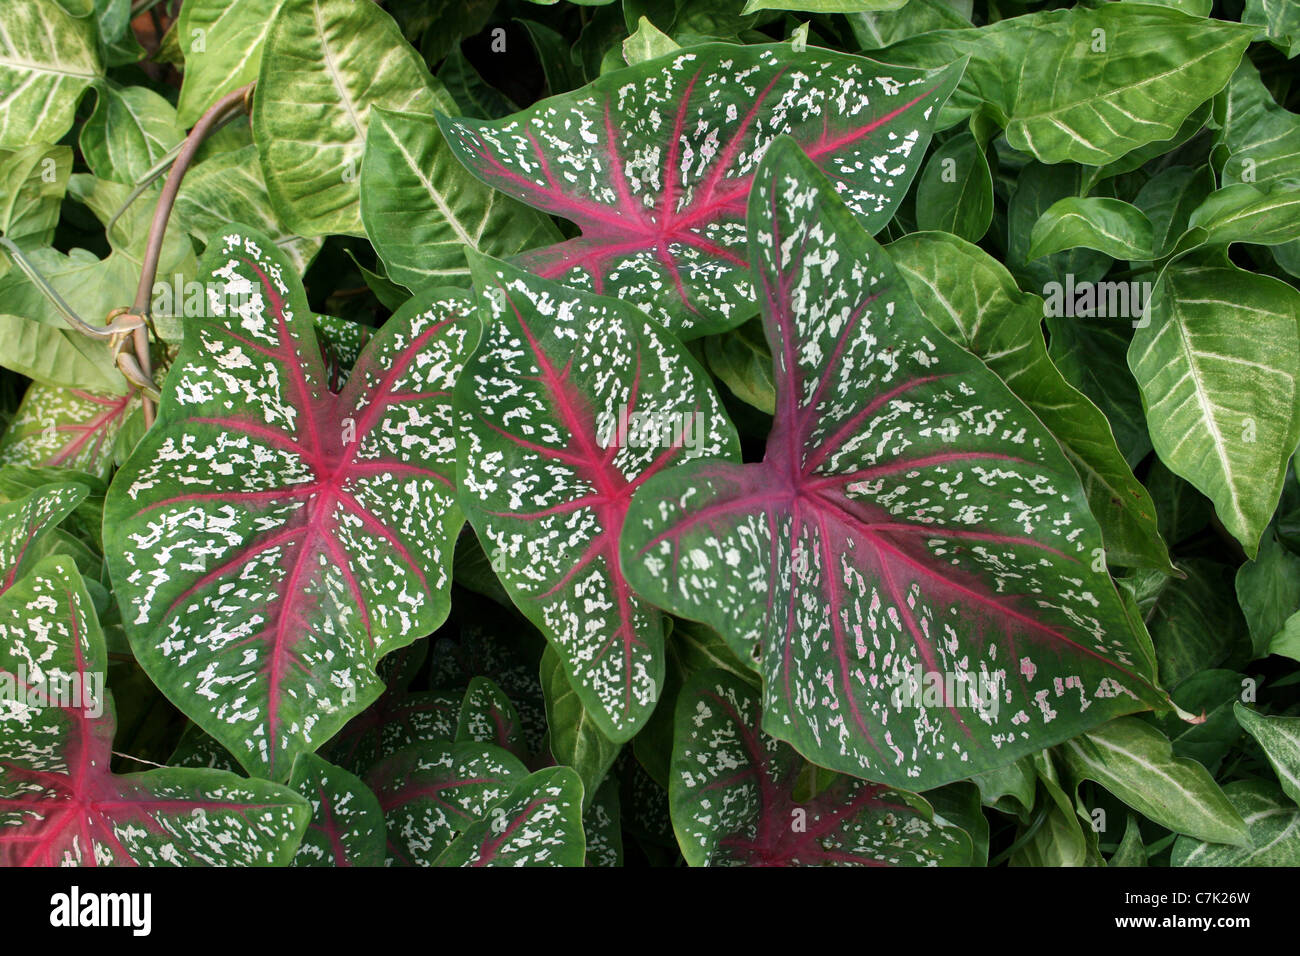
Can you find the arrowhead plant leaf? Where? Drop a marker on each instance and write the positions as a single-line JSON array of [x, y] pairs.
[[570, 404], [654, 164], [59, 802], [270, 539], [733, 803], [912, 567]]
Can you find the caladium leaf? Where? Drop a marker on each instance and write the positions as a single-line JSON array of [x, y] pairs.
[[60, 804], [431, 792], [911, 523], [24, 522], [347, 825], [976, 303], [574, 737], [654, 164], [602, 822], [397, 720], [538, 824], [270, 540], [733, 804], [66, 428], [487, 716], [570, 404]]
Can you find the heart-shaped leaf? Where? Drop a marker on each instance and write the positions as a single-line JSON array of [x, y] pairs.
[[487, 716], [271, 540], [430, 793], [538, 824], [24, 522], [654, 163], [66, 428], [733, 803], [913, 563], [347, 825], [59, 803], [570, 404]]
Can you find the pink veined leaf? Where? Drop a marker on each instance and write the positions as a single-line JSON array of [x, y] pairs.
[[398, 719], [271, 540], [66, 428], [431, 792], [732, 795], [24, 522], [654, 163], [570, 404], [347, 825], [59, 802], [912, 566], [488, 716], [538, 824]]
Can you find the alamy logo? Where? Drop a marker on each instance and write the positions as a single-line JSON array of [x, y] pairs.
[[924, 689], [624, 429], [1101, 300], [75, 909], [192, 300], [81, 691]]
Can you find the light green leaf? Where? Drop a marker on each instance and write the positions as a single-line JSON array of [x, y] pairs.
[[1116, 228], [1268, 590], [1259, 140], [1217, 365], [131, 129], [874, 30], [1244, 213], [222, 41], [1279, 20], [741, 358], [33, 182], [1135, 762], [1131, 851], [327, 64], [575, 739], [1168, 199], [1037, 188], [1273, 824], [975, 302], [47, 60], [1280, 738], [823, 6], [647, 43], [422, 209]]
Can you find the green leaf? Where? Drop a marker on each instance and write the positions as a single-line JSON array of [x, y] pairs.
[[33, 182], [576, 740], [347, 825], [66, 428], [326, 65], [1068, 93], [1279, 20], [732, 794], [1280, 738], [318, 530], [976, 303], [1268, 590], [1168, 200], [654, 163], [1210, 695], [1036, 189], [1116, 228], [603, 825], [1134, 761], [538, 824], [1217, 364], [131, 129], [1273, 823], [955, 192], [846, 564], [1259, 139], [1243, 213], [572, 402], [1131, 852], [51, 756], [648, 42], [1194, 620], [740, 358], [873, 30], [223, 42], [47, 60], [487, 716], [422, 210], [822, 6]]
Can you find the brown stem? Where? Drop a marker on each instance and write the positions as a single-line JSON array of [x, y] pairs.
[[158, 228]]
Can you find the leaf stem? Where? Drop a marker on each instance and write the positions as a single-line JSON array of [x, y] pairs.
[[239, 99]]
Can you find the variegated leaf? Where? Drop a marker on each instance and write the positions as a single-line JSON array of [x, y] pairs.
[[24, 522], [913, 565], [47, 60], [430, 793], [569, 405], [487, 716], [271, 540], [654, 163], [60, 804], [538, 824], [732, 791], [66, 428], [347, 825]]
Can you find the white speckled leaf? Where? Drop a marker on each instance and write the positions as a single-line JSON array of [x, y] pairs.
[[270, 540], [732, 795], [60, 804], [347, 825], [25, 521], [551, 453], [398, 719], [538, 824], [432, 792], [66, 428], [912, 523], [654, 163], [487, 716]]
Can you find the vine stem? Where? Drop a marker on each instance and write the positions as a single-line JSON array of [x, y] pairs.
[[239, 99]]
